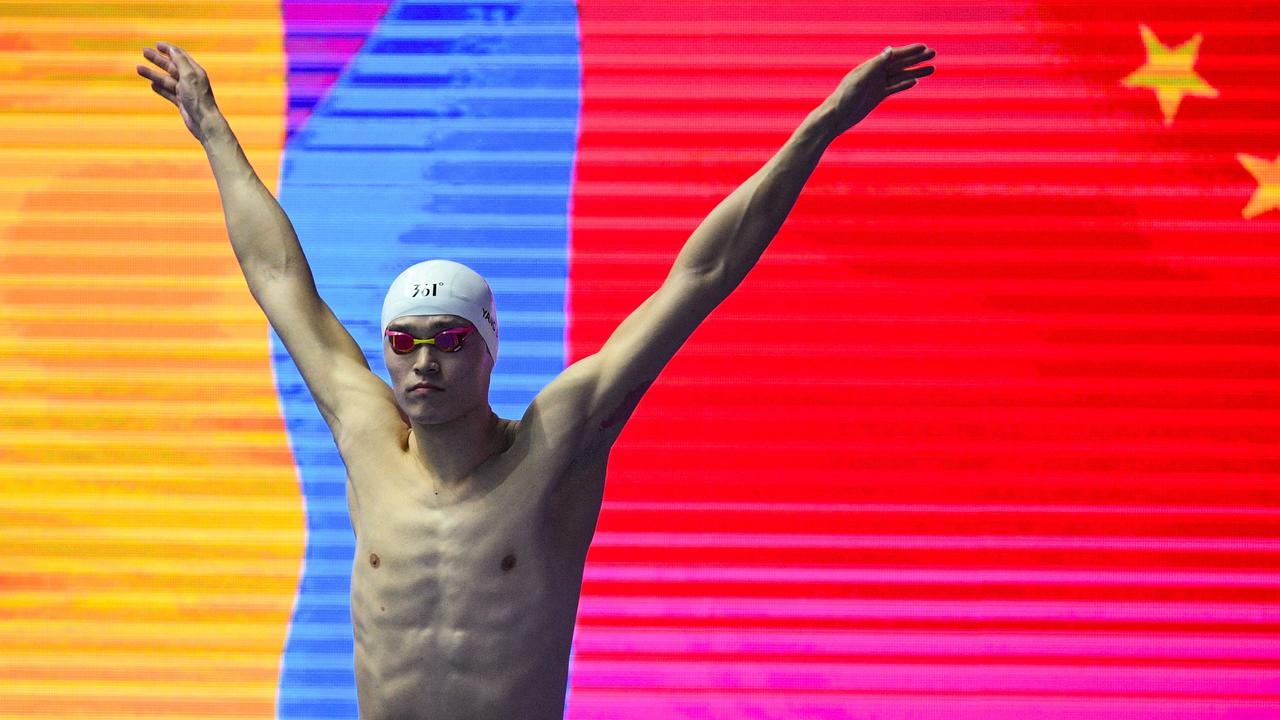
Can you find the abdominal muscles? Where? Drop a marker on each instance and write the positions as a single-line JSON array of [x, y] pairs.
[[460, 612]]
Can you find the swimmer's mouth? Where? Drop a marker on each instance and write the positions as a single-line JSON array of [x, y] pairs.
[[426, 386]]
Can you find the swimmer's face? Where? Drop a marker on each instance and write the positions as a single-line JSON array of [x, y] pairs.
[[463, 376]]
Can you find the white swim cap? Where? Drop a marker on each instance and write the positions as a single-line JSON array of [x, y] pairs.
[[444, 287]]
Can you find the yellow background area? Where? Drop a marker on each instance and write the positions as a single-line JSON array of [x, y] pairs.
[[151, 515]]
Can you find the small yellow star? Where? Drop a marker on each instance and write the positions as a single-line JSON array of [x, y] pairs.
[[1169, 72], [1267, 173]]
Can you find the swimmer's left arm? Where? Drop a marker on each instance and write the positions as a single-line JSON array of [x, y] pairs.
[[732, 238], [584, 410], [723, 249]]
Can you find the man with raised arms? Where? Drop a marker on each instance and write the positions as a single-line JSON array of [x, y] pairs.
[[471, 529]]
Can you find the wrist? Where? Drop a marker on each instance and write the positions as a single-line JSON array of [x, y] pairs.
[[823, 122], [215, 130], [223, 150]]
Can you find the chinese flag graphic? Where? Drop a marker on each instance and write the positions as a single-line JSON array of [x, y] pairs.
[[991, 429]]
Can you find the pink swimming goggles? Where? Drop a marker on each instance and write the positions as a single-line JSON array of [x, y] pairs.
[[402, 343]]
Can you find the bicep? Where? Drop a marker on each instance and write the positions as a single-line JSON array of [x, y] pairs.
[[330, 361]]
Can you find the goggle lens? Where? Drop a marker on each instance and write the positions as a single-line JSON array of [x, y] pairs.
[[400, 342], [451, 340]]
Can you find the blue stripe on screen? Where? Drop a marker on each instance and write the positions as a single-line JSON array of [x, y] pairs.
[[450, 134]]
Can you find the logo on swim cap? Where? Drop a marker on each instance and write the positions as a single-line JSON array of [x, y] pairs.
[[425, 289], [444, 287]]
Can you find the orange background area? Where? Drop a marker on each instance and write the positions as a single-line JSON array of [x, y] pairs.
[[149, 506]]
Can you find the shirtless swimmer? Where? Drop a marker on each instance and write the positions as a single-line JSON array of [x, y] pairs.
[[472, 530]]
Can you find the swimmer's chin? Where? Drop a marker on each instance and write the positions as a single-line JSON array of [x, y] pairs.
[[419, 411]]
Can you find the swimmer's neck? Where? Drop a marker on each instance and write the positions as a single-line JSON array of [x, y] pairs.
[[449, 453]]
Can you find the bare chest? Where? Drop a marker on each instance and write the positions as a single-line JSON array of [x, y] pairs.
[[467, 564], [470, 601]]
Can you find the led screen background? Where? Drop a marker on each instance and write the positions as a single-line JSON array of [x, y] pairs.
[[991, 430]]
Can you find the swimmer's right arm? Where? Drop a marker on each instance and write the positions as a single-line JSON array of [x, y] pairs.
[[261, 234], [271, 257]]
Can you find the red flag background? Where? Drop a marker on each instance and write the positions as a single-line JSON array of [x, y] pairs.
[[991, 428]]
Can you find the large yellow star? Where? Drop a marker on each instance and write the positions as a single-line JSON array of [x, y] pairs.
[[1267, 173], [1169, 72]]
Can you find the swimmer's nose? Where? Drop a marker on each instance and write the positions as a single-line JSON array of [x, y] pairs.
[[426, 361]]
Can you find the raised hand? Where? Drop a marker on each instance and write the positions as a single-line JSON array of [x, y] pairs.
[[181, 81], [876, 79]]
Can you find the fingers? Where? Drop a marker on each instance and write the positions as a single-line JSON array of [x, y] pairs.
[[906, 51], [162, 61], [905, 57], [895, 78], [164, 76], [165, 93], [903, 81], [156, 76], [179, 56], [174, 62], [162, 83], [899, 87]]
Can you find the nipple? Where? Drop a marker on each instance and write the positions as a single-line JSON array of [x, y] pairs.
[[508, 562], [374, 560]]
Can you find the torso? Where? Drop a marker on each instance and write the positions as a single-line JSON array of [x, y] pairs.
[[468, 608]]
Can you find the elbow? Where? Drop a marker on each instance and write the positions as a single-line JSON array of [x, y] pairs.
[[711, 284], [704, 272]]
